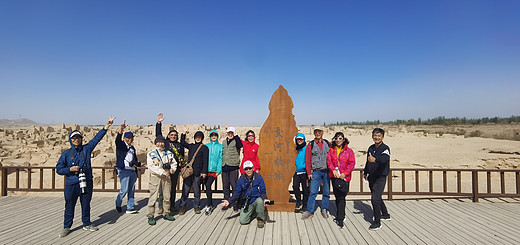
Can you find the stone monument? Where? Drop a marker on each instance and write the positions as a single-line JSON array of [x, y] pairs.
[[277, 151]]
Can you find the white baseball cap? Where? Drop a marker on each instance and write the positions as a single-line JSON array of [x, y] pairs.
[[231, 129], [248, 164]]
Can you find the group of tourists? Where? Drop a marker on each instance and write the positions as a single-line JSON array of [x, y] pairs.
[[317, 163], [321, 162]]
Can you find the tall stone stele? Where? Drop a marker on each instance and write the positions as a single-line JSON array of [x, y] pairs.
[[277, 151]]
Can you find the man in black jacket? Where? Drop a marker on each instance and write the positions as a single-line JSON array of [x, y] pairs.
[[200, 169], [178, 151], [376, 170], [126, 168]]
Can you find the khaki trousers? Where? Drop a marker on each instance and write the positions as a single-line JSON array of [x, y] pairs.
[[158, 183]]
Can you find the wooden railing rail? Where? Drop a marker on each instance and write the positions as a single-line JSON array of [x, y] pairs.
[[403, 182]]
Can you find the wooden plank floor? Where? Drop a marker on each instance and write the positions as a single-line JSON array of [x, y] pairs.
[[38, 220]]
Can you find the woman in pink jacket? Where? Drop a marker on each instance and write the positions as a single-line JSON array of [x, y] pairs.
[[341, 162], [250, 149]]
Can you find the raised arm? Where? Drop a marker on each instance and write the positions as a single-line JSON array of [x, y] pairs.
[[119, 138], [94, 141], [158, 125]]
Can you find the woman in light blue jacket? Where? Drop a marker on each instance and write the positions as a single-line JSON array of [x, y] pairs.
[[300, 176], [214, 167]]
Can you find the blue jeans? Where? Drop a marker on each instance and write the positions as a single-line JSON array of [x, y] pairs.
[[128, 178], [317, 178]]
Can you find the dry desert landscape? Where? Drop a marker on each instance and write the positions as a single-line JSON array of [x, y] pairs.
[[411, 146]]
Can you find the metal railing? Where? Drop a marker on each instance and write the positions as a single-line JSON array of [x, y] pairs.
[[401, 182]]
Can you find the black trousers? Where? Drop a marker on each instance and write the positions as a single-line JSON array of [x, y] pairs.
[[301, 180], [229, 179], [173, 190], [209, 193], [341, 202], [377, 186]]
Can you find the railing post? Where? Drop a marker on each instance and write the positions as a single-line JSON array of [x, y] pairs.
[[517, 178], [474, 184], [390, 185], [4, 182]]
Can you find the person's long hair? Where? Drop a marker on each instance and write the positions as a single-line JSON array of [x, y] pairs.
[[338, 134]]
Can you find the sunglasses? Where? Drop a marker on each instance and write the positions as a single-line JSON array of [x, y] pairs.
[[248, 169], [76, 137]]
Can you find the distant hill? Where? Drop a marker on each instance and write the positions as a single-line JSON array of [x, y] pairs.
[[22, 122]]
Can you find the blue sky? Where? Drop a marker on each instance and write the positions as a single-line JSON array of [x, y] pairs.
[[218, 62]]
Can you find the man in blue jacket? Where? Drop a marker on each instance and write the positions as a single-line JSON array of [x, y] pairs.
[[75, 164], [251, 188], [126, 169]]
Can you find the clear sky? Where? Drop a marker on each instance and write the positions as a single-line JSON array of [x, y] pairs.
[[219, 62]]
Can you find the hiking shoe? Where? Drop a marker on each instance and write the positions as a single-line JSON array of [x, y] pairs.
[[90, 227], [375, 226], [118, 209], [151, 221], [208, 210], [307, 215], [324, 213], [169, 217], [65, 232], [260, 223], [131, 211], [197, 210], [298, 207], [386, 217], [339, 223], [183, 210]]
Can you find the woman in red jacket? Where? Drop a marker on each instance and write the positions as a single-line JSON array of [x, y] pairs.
[[250, 150], [341, 162]]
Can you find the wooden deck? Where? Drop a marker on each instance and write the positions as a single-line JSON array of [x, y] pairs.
[[38, 220]]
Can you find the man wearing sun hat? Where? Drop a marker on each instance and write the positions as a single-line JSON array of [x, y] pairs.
[[251, 189], [126, 169], [75, 164]]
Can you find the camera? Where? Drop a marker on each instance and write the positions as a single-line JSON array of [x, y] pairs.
[[82, 181], [166, 166], [243, 202]]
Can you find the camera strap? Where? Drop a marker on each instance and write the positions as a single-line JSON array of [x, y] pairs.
[[82, 154], [160, 157]]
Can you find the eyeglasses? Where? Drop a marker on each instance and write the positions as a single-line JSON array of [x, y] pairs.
[[248, 169]]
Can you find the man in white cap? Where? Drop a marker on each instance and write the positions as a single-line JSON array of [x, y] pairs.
[[76, 165], [231, 146], [318, 172], [251, 195]]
